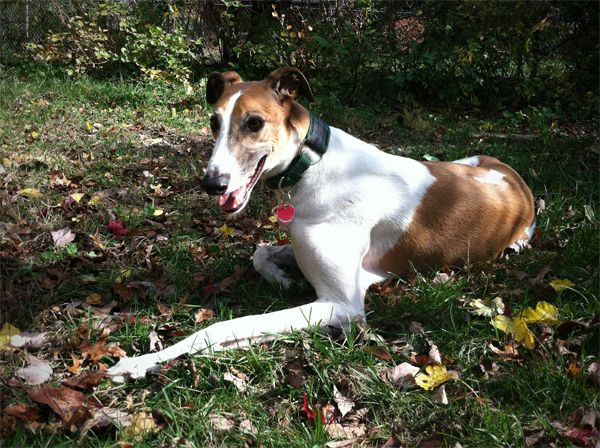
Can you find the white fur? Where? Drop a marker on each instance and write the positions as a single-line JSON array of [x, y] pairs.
[[222, 160], [492, 177], [351, 207], [469, 161]]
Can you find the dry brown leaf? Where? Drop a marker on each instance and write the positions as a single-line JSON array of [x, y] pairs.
[[378, 352], [247, 427], [8, 425], [76, 367], [239, 379], [295, 374], [342, 443], [339, 431], [203, 314], [221, 423], [94, 299], [593, 372], [23, 411], [415, 327], [439, 395], [68, 403], [105, 417], [85, 381], [343, 403], [142, 424]]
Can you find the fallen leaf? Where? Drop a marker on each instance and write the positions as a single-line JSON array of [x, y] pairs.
[[62, 237], [344, 404], [6, 333], [237, 378], [515, 327], [544, 313], [439, 396], [221, 423], [94, 299], [203, 314], [509, 352], [156, 344], [96, 200], [532, 439], [573, 368], [69, 404], [85, 381], [23, 411], [339, 431], [247, 427], [30, 193], [106, 417], [158, 212], [30, 340], [441, 278], [402, 375], [392, 442], [415, 327], [76, 196], [560, 284], [378, 352], [226, 230], [487, 307], [76, 367], [117, 227], [37, 372], [593, 372], [434, 377], [141, 426]]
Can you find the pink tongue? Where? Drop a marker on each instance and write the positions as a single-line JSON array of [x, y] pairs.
[[231, 200]]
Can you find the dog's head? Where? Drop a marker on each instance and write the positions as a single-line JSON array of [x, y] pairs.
[[257, 127]]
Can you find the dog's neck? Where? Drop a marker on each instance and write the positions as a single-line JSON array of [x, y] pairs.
[[317, 139]]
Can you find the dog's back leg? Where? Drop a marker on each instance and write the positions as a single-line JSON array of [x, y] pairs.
[[269, 262]]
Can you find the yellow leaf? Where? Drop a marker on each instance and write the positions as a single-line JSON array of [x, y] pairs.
[[226, 230], [6, 332], [76, 196], [272, 218], [158, 212], [35, 135], [96, 199], [560, 284], [89, 126], [435, 376], [544, 313], [516, 327], [143, 424], [30, 193], [522, 333], [124, 275], [6, 161]]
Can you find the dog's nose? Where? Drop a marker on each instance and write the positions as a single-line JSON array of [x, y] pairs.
[[215, 184]]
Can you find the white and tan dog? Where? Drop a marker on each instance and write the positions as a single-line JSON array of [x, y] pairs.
[[358, 213]]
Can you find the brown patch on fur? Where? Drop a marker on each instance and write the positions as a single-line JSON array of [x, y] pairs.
[[281, 120], [461, 220]]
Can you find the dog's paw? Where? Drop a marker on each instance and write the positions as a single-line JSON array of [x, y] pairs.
[[133, 368], [268, 269]]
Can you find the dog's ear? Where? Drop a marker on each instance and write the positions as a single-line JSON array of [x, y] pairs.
[[217, 83], [289, 82]]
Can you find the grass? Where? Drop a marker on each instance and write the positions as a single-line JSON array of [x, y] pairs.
[[122, 140]]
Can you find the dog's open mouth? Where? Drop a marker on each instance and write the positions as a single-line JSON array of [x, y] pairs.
[[236, 200]]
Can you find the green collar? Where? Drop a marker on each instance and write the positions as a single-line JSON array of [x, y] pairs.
[[316, 139]]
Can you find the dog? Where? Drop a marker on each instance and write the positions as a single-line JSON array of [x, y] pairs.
[[355, 214]]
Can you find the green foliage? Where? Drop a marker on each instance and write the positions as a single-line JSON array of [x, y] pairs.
[[111, 38]]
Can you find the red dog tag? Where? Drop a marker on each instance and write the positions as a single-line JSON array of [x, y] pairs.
[[285, 213]]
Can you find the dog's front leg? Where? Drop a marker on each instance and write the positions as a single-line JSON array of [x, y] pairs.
[[269, 261], [236, 333]]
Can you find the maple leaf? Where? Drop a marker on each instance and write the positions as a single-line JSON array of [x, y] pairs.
[[516, 327], [435, 376], [544, 313], [85, 381], [76, 367], [69, 404], [203, 314], [117, 227], [62, 237], [23, 411]]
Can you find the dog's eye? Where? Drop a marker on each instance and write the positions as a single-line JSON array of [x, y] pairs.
[[214, 124], [255, 124]]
